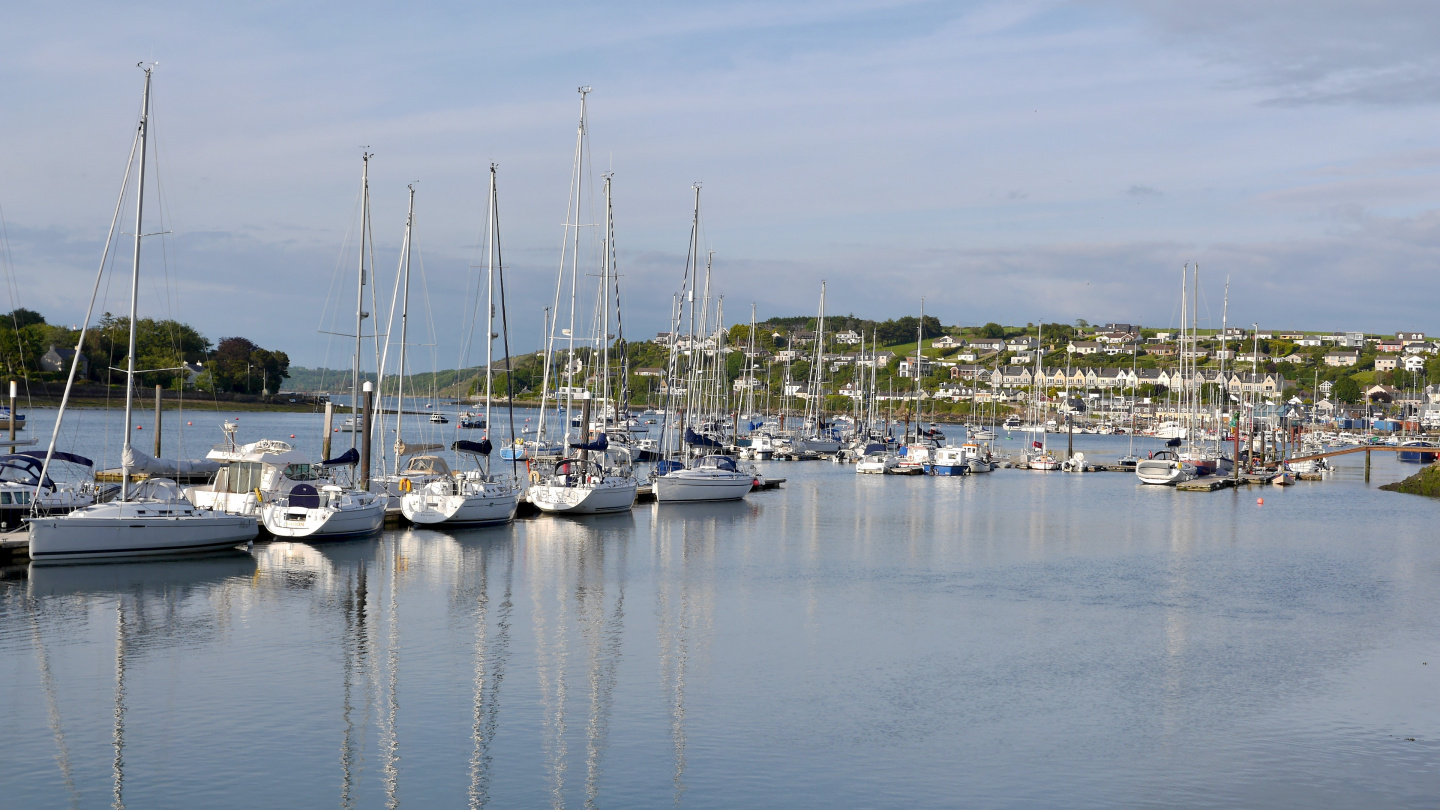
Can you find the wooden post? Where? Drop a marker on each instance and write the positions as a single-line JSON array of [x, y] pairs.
[[13, 415], [329, 430], [1367, 465], [157, 421], [1070, 433], [369, 393]]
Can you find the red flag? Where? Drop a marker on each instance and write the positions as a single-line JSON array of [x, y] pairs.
[[1036, 444]]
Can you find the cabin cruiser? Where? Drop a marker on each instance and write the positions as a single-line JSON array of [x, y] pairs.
[[1419, 456], [469, 498], [711, 478], [22, 494]]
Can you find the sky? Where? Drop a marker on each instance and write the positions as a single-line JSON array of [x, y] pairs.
[[1015, 162]]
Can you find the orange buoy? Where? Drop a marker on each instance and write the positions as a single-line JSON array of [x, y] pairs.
[[1260, 501], [139, 427], [292, 435], [189, 423]]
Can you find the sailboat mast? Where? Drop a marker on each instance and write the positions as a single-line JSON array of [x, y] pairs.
[[575, 268], [134, 276], [135, 280], [404, 329], [605, 308], [490, 307], [359, 296]]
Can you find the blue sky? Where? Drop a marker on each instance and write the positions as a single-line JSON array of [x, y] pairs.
[[1010, 161]]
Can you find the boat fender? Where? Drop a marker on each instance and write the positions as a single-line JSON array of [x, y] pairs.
[[259, 496], [405, 485], [534, 476]]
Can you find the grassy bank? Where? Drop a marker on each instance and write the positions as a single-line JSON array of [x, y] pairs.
[[1425, 482]]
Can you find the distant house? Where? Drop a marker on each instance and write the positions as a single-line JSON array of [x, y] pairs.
[[1381, 393], [1414, 362], [1342, 357], [1021, 344], [649, 372], [1120, 327], [1015, 375], [946, 342], [663, 338], [1083, 347], [1307, 340], [58, 359], [908, 365], [1386, 363], [1408, 337], [1161, 349], [849, 337], [987, 344], [1390, 346]]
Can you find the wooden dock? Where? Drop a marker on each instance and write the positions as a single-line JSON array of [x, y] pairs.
[[1208, 483], [15, 545]]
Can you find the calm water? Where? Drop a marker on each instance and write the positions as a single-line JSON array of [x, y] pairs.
[[1014, 640]]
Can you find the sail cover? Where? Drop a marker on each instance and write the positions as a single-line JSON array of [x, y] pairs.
[[406, 449], [135, 461], [601, 443], [696, 440], [482, 447], [349, 458]]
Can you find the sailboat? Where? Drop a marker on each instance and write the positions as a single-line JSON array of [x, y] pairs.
[[584, 481], [1039, 456], [475, 497], [153, 517], [711, 475], [818, 438]]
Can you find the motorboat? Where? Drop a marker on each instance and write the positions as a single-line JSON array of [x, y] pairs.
[[1164, 468], [711, 478], [876, 459], [947, 461], [977, 460], [438, 418], [153, 520], [470, 421]]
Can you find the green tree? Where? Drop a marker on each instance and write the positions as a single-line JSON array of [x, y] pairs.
[[1346, 390]]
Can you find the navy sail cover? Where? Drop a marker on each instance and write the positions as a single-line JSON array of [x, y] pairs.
[[482, 447], [349, 458], [600, 443], [696, 440]]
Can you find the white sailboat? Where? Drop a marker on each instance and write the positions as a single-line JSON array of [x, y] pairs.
[[474, 497], [587, 482], [153, 517]]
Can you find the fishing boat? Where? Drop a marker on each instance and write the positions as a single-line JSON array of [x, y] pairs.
[[152, 517], [947, 461], [1419, 455], [976, 459]]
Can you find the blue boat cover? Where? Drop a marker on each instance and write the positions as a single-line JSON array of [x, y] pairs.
[[1173, 443], [58, 456], [482, 447], [696, 440], [663, 467], [350, 457], [601, 443]]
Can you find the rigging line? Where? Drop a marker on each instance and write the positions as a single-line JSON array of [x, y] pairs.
[[505, 329], [80, 343], [341, 259], [13, 290]]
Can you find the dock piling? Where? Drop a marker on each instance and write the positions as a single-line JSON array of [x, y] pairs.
[[157, 421], [329, 429], [13, 415]]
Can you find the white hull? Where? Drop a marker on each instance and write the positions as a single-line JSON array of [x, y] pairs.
[[611, 495], [491, 507], [702, 485], [324, 523], [816, 445], [135, 530], [870, 466], [1162, 472]]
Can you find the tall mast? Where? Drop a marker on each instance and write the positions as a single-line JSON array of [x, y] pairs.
[[605, 311], [404, 328], [359, 294], [135, 281], [575, 267], [490, 307]]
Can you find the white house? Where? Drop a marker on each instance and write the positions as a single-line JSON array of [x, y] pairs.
[[946, 342], [849, 337], [1414, 362], [1342, 357]]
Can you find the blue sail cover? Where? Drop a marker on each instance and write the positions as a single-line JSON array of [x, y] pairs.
[[482, 447], [600, 443], [58, 456], [696, 440], [350, 458], [756, 425]]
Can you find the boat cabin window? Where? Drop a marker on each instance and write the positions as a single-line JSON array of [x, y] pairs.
[[239, 476], [301, 472], [718, 463]]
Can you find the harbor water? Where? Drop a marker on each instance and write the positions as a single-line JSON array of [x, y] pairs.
[[1017, 639]]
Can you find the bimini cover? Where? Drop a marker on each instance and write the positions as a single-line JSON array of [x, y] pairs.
[[874, 449], [56, 456], [427, 465], [162, 490], [135, 461], [600, 443], [480, 448], [349, 458], [696, 440]]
